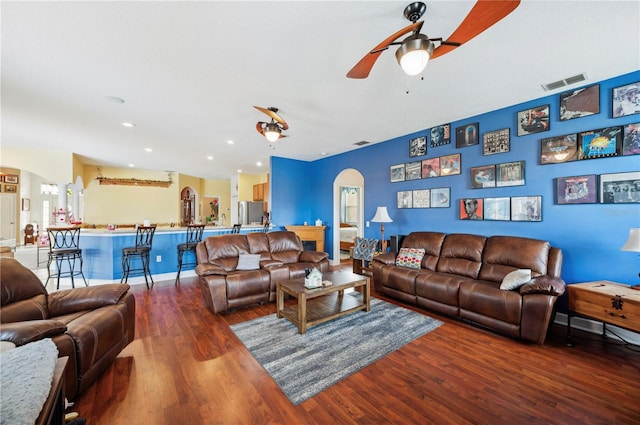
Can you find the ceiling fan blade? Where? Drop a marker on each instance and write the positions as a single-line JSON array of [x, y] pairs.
[[274, 116], [260, 127], [363, 68], [483, 15]]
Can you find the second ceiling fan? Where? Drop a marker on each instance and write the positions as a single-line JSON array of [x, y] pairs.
[[416, 50]]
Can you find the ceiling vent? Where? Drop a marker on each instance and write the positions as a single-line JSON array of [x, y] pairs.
[[361, 143], [566, 82]]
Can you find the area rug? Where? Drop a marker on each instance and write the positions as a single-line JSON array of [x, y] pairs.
[[304, 365]]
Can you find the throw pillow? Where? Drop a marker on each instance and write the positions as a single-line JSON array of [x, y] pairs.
[[515, 279], [248, 262], [410, 257]]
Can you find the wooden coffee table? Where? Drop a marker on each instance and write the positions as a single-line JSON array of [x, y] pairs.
[[319, 305]]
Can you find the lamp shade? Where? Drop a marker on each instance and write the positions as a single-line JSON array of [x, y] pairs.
[[382, 216], [633, 243], [272, 132]]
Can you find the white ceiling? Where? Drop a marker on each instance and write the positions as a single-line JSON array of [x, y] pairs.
[[190, 72]]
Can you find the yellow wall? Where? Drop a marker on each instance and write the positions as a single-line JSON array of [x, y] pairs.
[[245, 185]]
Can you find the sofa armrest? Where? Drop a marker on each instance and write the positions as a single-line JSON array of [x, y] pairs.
[[265, 264], [386, 258], [544, 285], [89, 298], [209, 269], [21, 333], [312, 256]]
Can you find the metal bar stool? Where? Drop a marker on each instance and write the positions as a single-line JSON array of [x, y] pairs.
[[64, 246], [144, 241], [236, 228], [194, 235]]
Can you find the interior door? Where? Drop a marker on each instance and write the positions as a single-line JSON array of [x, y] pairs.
[[8, 216]]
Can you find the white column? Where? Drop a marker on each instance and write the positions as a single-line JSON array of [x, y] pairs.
[[62, 203]]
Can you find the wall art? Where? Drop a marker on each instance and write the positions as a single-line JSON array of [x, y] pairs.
[[471, 209], [483, 176], [397, 173], [26, 204], [576, 190], [497, 209], [467, 135], [11, 178], [526, 208], [494, 142], [601, 143], [557, 149], [10, 188], [421, 198], [625, 100], [580, 102], [631, 139], [441, 135], [441, 197], [404, 199], [510, 174], [533, 120], [413, 170], [620, 188], [430, 168], [418, 146], [450, 164]]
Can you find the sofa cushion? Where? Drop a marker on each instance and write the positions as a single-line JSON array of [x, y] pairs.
[[285, 246], [410, 257], [431, 242], [515, 279], [504, 254], [248, 262], [461, 254], [223, 250]]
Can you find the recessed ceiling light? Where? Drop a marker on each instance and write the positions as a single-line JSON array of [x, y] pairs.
[[130, 165], [210, 158], [148, 150], [259, 164], [239, 171], [323, 153], [128, 124], [230, 142]]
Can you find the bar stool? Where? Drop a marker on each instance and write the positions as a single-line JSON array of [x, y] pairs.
[[236, 228], [194, 235], [64, 245], [144, 241]]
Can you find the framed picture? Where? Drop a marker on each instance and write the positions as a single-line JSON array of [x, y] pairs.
[[421, 198], [397, 173], [620, 188], [467, 135], [441, 135], [533, 120], [450, 164], [554, 150], [11, 178], [430, 168], [10, 188], [510, 174], [526, 208], [631, 139], [601, 143], [413, 170], [497, 209], [441, 197], [26, 204], [418, 146], [625, 100], [496, 142], [576, 190], [404, 199], [483, 176], [580, 102], [471, 209]]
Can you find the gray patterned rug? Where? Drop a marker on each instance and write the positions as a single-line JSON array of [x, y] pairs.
[[304, 365]]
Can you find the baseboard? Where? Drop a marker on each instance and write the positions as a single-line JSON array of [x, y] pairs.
[[595, 327]]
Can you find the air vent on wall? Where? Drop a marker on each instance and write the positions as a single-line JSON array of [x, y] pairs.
[[566, 82], [361, 143]]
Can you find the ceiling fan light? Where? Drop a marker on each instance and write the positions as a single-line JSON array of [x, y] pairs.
[[272, 132], [414, 53]]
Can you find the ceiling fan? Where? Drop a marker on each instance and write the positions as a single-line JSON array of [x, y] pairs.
[[271, 130], [416, 50]]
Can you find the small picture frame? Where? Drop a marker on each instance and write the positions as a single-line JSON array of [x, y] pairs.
[[631, 139], [397, 173], [450, 164], [471, 209], [601, 143], [526, 208], [497, 209], [441, 197], [441, 135], [418, 146], [510, 174], [26, 204], [620, 188], [576, 190], [497, 141], [625, 100], [404, 199], [413, 170], [421, 198], [467, 135], [10, 188], [558, 149], [430, 168], [483, 176], [533, 120], [580, 103], [11, 178]]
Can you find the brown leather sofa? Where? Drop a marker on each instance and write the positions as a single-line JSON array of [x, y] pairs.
[[460, 276], [90, 325], [281, 257]]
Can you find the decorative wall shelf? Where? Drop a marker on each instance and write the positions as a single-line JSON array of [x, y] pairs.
[[133, 182]]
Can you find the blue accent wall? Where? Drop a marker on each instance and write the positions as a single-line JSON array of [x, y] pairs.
[[590, 235]]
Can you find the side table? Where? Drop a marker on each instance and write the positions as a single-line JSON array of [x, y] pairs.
[[53, 410], [608, 302]]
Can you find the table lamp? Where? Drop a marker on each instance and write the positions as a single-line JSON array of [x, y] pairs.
[[382, 216], [633, 245]]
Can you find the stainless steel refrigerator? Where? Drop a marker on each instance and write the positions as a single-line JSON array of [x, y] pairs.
[[250, 212]]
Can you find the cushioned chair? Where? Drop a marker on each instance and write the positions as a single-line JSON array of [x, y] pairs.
[[144, 242], [64, 247], [194, 235], [29, 234], [363, 251]]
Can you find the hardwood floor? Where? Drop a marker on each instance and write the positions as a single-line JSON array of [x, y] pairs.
[[187, 367]]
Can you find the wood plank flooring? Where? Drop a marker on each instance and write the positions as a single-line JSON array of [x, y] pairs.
[[187, 367]]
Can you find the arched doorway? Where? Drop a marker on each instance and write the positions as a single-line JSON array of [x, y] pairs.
[[348, 208], [188, 206]]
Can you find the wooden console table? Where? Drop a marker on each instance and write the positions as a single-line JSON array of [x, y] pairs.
[[53, 410], [310, 233]]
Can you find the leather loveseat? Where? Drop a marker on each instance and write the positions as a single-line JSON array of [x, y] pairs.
[[90, 325], [460, 275], [278, 256]]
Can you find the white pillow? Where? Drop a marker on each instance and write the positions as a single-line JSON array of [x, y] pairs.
[[515, 279], [248, 262]]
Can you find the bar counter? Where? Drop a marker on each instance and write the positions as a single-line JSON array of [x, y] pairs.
[[102, 249]]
